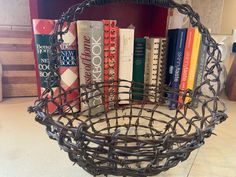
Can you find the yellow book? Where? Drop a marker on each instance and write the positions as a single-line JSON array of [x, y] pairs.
[[193, 62]]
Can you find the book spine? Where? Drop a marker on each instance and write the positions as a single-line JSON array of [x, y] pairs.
[[138, 68], [126, 49], [97, 59], [91, 62], [106, 61], [200, 68], [193, 63], [161, 70], [186, 61], [111, 37], [85, 65], [69, 69], [114, 72], [43, 29], [179, 54], [147, 66], [201, 64], [154, 60], [172, 40]]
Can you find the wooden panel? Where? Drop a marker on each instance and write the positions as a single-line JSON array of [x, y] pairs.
[[19, 80], [16, 58], [15, 41], [18, 73], [16, 47], [19, 90], [15, 34], [18, 67]]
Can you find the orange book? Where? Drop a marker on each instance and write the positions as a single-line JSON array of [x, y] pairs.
[[193, 62], [186, 62]]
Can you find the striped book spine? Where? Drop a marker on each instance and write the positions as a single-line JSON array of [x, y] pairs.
[[69, 69]]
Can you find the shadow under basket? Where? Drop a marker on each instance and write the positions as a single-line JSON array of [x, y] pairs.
[[132, 137]]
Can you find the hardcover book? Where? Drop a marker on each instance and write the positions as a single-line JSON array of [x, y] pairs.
[[186, 62], [178, 62], [69, 68], [138, 68], [111, 63], [91, 65], [126, 49], [43, 29]]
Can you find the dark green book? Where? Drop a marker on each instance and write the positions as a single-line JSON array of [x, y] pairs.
[[138, 68]]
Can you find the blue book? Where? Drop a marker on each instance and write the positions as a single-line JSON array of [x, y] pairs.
[[178, 62], [172, 40]]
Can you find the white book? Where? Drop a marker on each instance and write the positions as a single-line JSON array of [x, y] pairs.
[[126, 51]]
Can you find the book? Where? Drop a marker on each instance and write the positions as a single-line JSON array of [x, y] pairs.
[[43, 29], [111, 63], [172, 40], [200, 68], [147, 64], [193, 63], [151, 67], [161, 70], [126, 49], [178, 62], [201, 64], [138, 68], [186, 62], [91, 65], [68, 69]]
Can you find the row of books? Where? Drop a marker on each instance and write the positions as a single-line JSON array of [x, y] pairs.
[[100, 51], [186, 60], [92, 51]]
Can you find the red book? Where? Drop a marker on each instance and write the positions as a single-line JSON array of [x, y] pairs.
[[186, 61], [111, 63]]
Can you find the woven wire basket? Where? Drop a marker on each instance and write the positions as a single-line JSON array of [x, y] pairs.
[[140, 138]]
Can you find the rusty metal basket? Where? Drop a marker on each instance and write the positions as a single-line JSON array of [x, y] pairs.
[[139, 138]]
